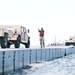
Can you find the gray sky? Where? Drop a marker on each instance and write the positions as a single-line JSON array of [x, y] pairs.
[[57, 17]]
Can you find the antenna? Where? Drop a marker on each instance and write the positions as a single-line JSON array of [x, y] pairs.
[[55, 40]]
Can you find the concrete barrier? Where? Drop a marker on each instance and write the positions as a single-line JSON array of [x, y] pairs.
[[12, 59]]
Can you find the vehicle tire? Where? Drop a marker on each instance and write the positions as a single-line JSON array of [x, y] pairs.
[[74, 44], [4, 42], [66, 44], [27, 45], [17, 42]]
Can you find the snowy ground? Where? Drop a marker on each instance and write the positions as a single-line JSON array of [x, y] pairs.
[[61, 66]]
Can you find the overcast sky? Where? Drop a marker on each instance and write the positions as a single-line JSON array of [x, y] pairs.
[[57, 17]]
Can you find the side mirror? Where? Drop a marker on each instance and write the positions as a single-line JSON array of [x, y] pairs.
[[28, 30]]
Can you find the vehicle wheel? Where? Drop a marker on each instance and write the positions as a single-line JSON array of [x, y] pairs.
[[66, 44], [27, 45], [17, 42], [69, 44], [4, 42], [74, 44]]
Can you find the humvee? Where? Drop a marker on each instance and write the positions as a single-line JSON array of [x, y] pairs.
[[14, 34], [71, 41]]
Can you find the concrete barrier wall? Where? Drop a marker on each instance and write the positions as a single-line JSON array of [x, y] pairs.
[[12, 59]]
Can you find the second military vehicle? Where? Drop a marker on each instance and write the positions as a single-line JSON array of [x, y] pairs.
[[71, 41]]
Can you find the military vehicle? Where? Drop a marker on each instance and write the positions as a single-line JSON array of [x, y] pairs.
[[14, 34], [71, 41]]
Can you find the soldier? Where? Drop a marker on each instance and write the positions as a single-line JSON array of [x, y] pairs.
[[42, 44]]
